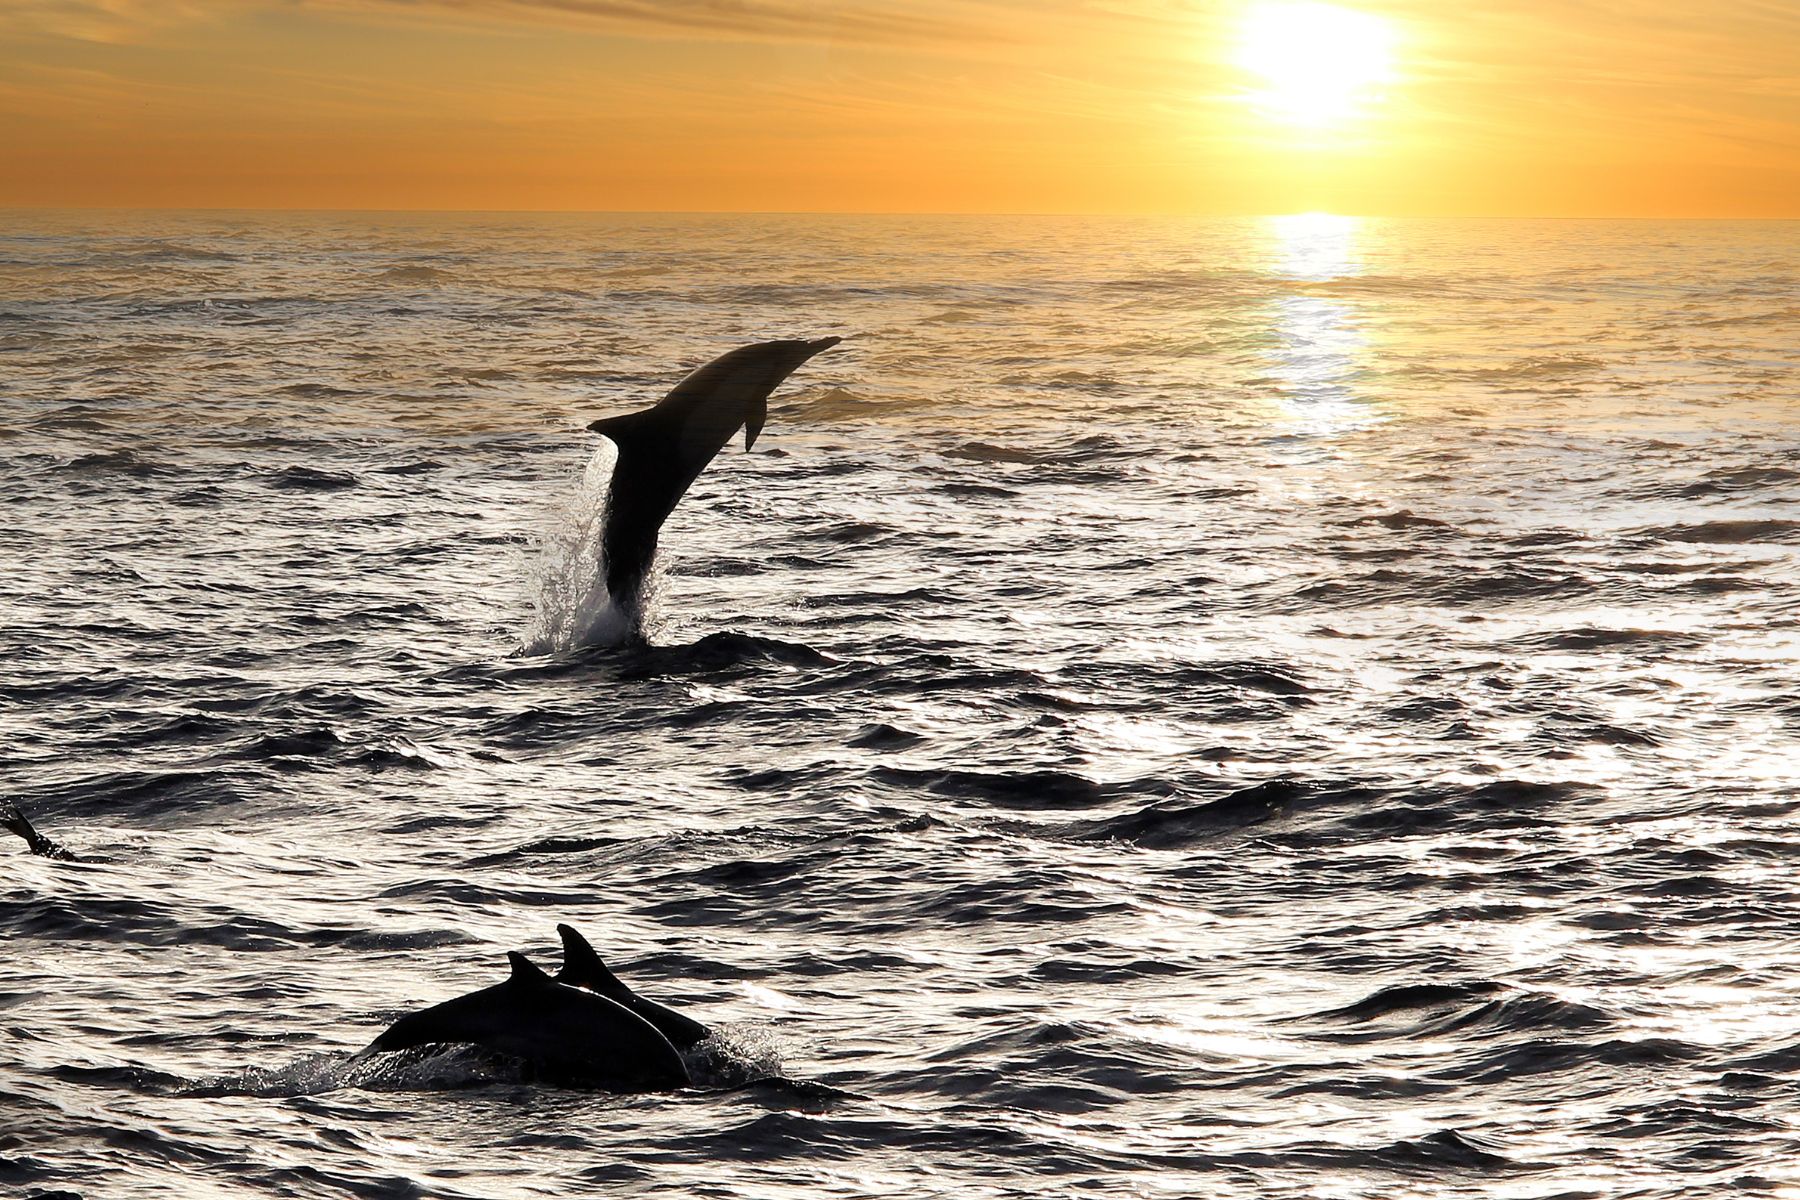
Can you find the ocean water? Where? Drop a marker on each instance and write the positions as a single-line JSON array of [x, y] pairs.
[[1283, 708]]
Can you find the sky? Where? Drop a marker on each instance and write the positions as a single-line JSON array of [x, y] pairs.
[[1389, 108]]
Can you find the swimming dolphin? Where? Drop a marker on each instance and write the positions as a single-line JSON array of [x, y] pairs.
[[567, 1034], [582, 968], [13, 821], [663, 449]]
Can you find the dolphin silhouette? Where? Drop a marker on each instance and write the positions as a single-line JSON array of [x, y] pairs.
[[582, 968], [663, 449], [566, 1034]]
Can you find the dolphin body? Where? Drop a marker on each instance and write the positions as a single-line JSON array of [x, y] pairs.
[[582, 968], [566, 1034], [663, 449]]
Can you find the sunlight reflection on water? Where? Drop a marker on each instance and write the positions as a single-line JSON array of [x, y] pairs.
[[1319, 347]]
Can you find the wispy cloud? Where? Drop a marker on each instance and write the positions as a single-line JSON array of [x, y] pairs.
[[865, 22], [872, 22], [100, 20]]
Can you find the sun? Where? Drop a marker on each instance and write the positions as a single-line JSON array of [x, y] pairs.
[[1323, 65]]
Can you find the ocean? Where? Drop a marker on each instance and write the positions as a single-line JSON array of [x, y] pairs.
[[1169, 707]]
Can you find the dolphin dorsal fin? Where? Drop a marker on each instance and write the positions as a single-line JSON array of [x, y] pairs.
[[582, 966], [626, 429], [525, 971]]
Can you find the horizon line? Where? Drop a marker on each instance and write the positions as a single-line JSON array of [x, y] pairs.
[[850, 212]]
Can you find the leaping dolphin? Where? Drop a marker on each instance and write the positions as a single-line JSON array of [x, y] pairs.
[[663, 449], [565, 1033], [582, 968]]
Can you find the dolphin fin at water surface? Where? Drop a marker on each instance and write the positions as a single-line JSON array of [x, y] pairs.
[[663, 449], [582, 968], [14, 821], [566, 1034]]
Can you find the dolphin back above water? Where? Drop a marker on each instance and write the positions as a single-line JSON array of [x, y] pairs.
[[663, 449], [566, 1034]]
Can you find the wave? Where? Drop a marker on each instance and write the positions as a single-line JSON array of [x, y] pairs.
[[1413, 1011], [176, 252], [1543, 1056], [1032, 790], [1400, 519], [1591, 638], [834, 405], [1172, 825], [316, 391], [987, 453], [717, 653], [144, 795], [1531, 369], [1725, 533], [1445, 1148], [130, 463], [882, 736], [1785, 317], [1724, 481], [310, 479], [413, 274]]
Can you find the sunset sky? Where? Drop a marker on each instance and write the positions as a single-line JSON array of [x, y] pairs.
[[1390, 107]]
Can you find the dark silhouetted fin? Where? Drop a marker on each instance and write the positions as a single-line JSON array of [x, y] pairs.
[[582, 968], [14, 821], [626, 430], [525, 971]]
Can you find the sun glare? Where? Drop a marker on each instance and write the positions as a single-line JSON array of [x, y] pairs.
[[1322, 64]]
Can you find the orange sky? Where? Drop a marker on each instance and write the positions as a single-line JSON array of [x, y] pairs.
[[1528, 107]]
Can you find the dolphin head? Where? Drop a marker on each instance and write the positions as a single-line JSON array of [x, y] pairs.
[[733, 389], [787, 360]]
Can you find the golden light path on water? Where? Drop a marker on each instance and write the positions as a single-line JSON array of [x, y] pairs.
[[1319, 348]]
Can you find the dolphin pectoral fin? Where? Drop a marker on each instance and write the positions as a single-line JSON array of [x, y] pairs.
[[759, 413]]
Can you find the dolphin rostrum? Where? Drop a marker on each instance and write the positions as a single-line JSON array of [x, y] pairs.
[[582, 968], [663, 449], [566, 1034]]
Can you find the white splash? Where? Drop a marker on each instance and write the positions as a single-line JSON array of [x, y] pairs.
[[571, 607]]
